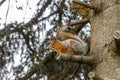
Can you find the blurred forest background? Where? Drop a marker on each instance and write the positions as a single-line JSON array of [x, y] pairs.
[[25, 30]]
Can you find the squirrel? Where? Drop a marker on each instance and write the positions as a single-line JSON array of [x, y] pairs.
[[68, 46], [81, 10]]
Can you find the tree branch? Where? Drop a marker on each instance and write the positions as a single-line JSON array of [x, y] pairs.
[[43, 8], [60, 9], [78, 26], [94, 76], [84, 4], [116, 36], [86, 20], [77, 58], [2, 2]]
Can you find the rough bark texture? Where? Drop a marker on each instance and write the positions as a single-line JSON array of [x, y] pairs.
[[102, 42]]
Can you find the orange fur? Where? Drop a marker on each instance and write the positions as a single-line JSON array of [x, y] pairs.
[[62, 47], [69, 46]]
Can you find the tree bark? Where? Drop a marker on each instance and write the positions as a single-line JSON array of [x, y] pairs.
[[103, 24]]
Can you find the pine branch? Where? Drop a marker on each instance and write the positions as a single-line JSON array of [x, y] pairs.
[[32, 22], [31, 72], [77, 58], [48, 16]]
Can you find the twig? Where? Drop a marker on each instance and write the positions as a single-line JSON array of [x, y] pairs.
[[27, 41], [7, 12], [48, 16]]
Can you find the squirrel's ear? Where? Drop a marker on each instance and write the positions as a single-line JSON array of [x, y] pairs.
[[52, 37], [60, 28]]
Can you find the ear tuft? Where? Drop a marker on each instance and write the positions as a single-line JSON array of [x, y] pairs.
[[52, 37]]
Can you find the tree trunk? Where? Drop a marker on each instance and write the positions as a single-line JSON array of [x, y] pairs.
[[102, 42]]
